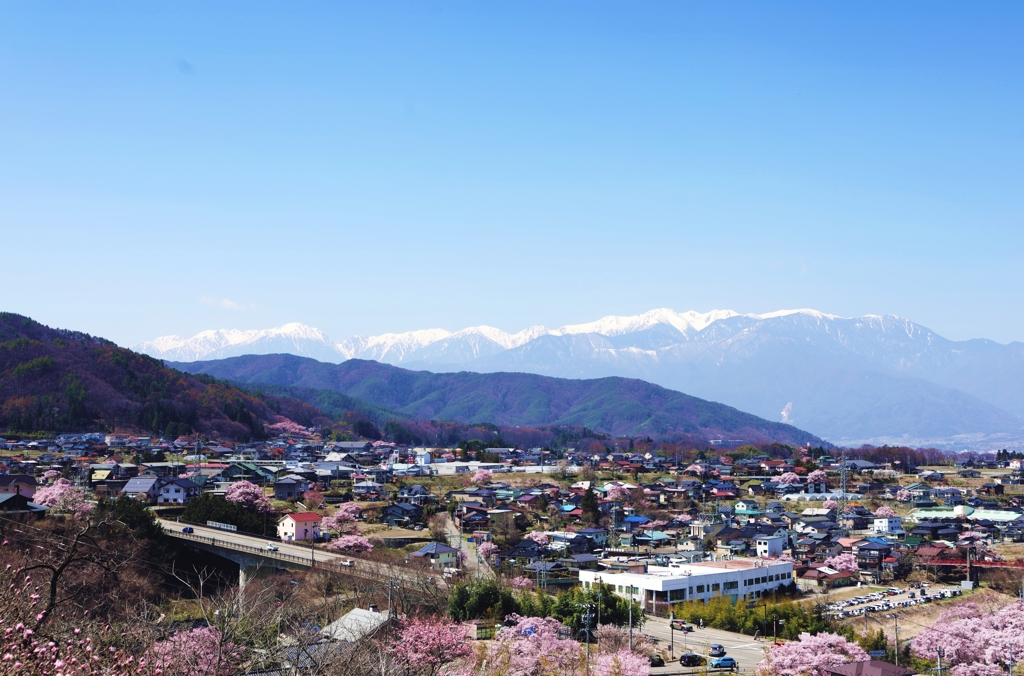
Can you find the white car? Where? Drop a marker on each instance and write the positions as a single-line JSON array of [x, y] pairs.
[[346, 562], [271, 547]]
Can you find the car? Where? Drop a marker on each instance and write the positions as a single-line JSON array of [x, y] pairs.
[[724, 663], [716, 650], [680, 625], [188, 529], [691, 660], [656, 660], [347, 562], [271, 547]]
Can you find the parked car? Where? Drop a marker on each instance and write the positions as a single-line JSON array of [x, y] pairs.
[[346, 562], [271, 547], [724, 663], [680, 625], [188, 529], [656, 660], [691, 660], [716, 650]]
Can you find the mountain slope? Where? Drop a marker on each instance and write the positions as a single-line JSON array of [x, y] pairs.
[[53, 380], [870, 379], [623, 407]]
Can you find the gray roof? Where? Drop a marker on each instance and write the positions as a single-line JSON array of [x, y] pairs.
[[355, 625]]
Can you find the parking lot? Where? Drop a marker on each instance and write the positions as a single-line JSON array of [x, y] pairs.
[[887, 600]]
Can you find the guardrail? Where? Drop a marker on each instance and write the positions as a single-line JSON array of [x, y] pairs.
[[260, 551]]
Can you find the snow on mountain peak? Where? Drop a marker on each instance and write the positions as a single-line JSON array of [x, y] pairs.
[[617, 326]]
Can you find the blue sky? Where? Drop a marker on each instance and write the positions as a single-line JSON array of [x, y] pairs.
[[371, 167]]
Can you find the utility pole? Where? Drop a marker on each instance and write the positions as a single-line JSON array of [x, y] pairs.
[[672, 633], [631, 618], [392, 584], [896, 631], [940, 668]]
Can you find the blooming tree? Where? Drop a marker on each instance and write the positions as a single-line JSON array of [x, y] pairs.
[[789, 479], [487, 549], [695, 469], [622, 663], [77, 655], [830, 504], [482, 476], [843, 562], [62, 497], [520, 582], [538, 537], [903, 495], [248, 495], [197, 652], [817, 477], [340, 523], [426, 645], [350, 509], [351, 544], [810, 656], [617, 493], [612, 639], [313, 498], [532, 647], [974, 642], [50, 474], [885, 511]]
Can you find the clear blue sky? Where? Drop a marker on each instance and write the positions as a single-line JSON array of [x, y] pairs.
[[370, 167]]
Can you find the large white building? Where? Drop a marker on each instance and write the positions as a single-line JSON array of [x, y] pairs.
[[660, 586]]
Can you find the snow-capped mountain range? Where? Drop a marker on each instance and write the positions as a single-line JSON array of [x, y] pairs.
[[865, 379]]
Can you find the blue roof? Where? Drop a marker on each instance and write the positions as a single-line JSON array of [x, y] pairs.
[[637, 519], [435, 548]]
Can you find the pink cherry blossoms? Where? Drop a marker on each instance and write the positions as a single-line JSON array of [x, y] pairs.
[[817, 477], [482, 476], [532, 646], [810, 656], [974, 643], [903, 495], [197, 652], [538, 537], [843, 562], [521, 582], [487, 549], [351, 544], [789, 479], [62, 497], [425, 645], [885, 511], [830, 504], [622, 663], [249, 495]]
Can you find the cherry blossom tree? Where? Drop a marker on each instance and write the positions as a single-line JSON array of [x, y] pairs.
[[75, 655], [62, 497], [50, 474], [426, 645], [695, 469], [885, 511], [974, 642], [810, 656], [538, 537], [340, 523], [830, 504], [789, 479], [622, 663], [843, 562], [197, 652], [351, 544], [532, 647], [487, 549], [350, 509], [903, 495], [817, 477], [482, 476], [248, 495], [520, 582], [617, 493]]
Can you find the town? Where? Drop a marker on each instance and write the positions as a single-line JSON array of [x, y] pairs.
[[623, 561]]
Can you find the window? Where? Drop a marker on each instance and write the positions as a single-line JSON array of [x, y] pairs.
[[716, 587], [700, 589], [731, 585]]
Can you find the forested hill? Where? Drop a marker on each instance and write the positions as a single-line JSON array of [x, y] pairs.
[[618, 406], [54, 380]]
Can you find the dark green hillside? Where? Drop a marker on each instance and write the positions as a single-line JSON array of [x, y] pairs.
[[617, 406], [63, 381]]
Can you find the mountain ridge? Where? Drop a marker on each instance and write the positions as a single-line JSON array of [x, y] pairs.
[[873, 379], [618, 406]]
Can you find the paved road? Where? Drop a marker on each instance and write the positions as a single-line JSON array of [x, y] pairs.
[[252, 541], [744, 649]]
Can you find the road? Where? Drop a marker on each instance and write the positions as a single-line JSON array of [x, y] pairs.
[[297, 550], [472, 564], [744, 649]]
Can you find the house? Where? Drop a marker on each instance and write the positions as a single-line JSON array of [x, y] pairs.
[[891, 525], [991, 489], [19, 504], [355, 625], [298, 526], [437, 554], [416, 495], [401, 514], [18, 484], [290, 487], [145, 489], [747, 508], [769, 546], [176, 491]]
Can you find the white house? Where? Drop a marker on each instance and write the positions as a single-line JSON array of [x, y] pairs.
[[301, 526], [177, 492], [770, 546], [888, 524], [660, 586]]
